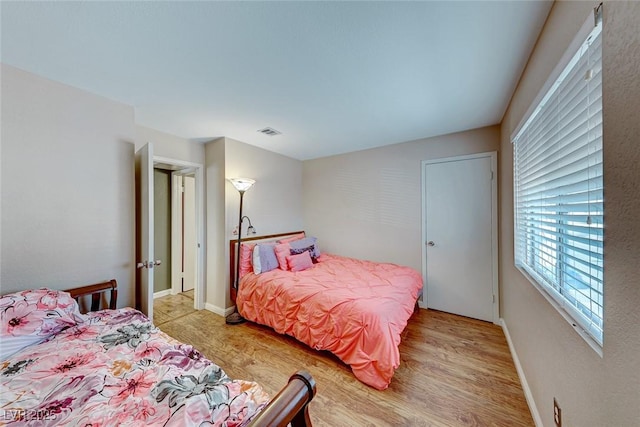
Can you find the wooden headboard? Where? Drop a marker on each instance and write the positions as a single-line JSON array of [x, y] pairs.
[[233, 250], [96, 290]]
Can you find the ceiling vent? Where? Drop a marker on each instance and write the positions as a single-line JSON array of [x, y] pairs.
[[270, 131]]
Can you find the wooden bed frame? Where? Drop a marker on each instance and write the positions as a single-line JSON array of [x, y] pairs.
[[290, 405], [233, 250], [96, 291]]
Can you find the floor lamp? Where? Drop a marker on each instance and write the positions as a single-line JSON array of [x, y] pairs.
[[242, 185]]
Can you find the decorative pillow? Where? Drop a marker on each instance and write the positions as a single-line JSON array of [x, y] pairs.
[[28, 317], [301, 250], [300, 261], [264, 258], [305, 244], [246, 255], [292, 238], [282, 251]]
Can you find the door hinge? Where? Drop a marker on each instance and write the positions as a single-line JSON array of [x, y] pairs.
[[494, 298], [491, 175]]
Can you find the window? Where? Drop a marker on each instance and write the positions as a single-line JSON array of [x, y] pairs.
[[558, 188]]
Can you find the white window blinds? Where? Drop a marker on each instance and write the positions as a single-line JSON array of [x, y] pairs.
[[558, 189]]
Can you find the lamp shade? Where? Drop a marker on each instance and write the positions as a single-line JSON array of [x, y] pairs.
[[242, 184]]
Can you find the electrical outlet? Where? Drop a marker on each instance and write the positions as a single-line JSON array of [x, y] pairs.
[[557, 413]]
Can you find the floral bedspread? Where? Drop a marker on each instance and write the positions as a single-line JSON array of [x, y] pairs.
[[117, 369]]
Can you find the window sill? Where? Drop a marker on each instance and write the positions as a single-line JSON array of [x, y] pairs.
[[595, 346]]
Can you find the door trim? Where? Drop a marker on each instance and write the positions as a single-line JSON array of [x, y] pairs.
[[176, 243], [198, 170], [177, 232], [493, 155]]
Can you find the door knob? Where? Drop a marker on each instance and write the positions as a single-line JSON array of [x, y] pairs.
[[431, 243], [148, 264]]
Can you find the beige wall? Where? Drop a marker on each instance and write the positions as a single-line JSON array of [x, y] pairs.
[[556, 361], [61, 229], [170, 146], [274, 203], [67, 187], [217, 264], [621, 103], [368, 204]]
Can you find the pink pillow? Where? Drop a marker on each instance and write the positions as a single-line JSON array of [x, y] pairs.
[[299, 262], [246, 256], [292, 238], [282, 252]]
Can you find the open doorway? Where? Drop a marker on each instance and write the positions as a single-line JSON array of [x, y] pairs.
[[175, 240], [162, 232], [146, 261], [178, 288]]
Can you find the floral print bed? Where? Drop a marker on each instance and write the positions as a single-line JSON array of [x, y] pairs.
[[116, 368]]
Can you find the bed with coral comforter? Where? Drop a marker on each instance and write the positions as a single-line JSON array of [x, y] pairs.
[[353, 308]]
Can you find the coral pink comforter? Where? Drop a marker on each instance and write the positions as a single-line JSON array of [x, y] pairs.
[[355, 309]]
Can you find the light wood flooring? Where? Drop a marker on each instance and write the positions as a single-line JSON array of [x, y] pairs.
[[454, 371], [172, 307]]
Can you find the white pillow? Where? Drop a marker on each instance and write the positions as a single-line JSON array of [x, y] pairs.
[[257, 268], [11, 345]]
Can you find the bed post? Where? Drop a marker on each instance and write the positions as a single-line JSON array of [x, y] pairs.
[[290, 405]]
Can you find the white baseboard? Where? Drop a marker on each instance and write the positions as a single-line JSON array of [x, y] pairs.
[[523, 380], [224, 312], [161, 293]]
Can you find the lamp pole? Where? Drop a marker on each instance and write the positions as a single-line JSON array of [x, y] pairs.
[[242, 185], [235, 317], [235, 284]]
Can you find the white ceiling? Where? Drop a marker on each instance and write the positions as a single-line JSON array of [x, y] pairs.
[[333, 77]]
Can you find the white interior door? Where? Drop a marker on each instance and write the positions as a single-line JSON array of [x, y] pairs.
[[144, 212], [192, 176], [190, 243], [460, 236]]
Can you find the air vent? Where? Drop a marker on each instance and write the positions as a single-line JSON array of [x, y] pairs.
[[269, 131]]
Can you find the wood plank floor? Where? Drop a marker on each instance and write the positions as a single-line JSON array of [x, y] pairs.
[[172, 306], [454, 371]]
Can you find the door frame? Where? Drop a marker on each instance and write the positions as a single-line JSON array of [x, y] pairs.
[[197, 170], [493, 155]]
